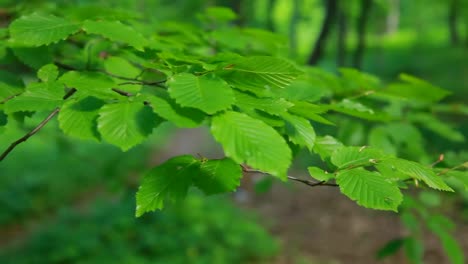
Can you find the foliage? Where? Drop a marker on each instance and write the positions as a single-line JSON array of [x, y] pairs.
[[197, 231], [117, 78]]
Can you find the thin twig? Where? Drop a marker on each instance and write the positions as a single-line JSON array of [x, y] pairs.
[[306, 182], [124, 93], [36, 129], [8, 98]]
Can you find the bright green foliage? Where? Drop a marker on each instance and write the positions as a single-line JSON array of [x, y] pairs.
[[167, 108], [418, 172], [126, 124], [218, 176], [369, 189], [168, 181], [78, 118], [320, 174], [119, 78], [37, 29], [347, 157], [116, 31], [248, 140], [37, 97], [207, 93], [261, 74], [300, 131]]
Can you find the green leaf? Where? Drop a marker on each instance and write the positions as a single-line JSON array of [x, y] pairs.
[[37, 97], [325, 146], [440, 226], [320, 174], [415, 89], [207, 93], [249, 140], [116, 31], [299, 131], [166, 107], [126, 124], [90, 84], [166, 182], [357, 109], [121, 67], [8, 91], [419, 172], [48, 73], [414, 249], [355, 156], [78, 118], [218, 176], [37, 29], [34, 57], [441, 128], [261, 73], [369, 189], [390, 248], [270, 105]]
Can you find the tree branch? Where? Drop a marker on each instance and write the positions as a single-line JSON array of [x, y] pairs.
[[36, 129], [306, 182]]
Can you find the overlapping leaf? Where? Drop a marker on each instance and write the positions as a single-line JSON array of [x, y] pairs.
[[38, 29], [259, 73], [38, 96], [270, 105], [116, 31], [218, 176], [355, 156], [299, 131], [251, 141], [207, 93], [79, 118], [126, 124], [165, 107], [166, 182], [90, 83], [369, 189], [325, 146]]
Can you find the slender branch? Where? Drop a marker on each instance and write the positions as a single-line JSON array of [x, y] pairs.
[[36, 129], [306, 182], [124, 93], [8, 98]]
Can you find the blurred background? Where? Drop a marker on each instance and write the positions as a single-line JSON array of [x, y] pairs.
[[67, 201]]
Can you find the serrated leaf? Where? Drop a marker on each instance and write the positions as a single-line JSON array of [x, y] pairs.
[[320, 174], [90, 84], [218, 176], [415, 89], [37, 97], [325, 146], [38, 29], [8, 91], [251, 141], [48, 73], [126, 124], [419, 172], [357, 109], [78, 118], [208, 93], [441, 128], [121, 67], [299, 131], [34, 57], [169, 110], [369, 189], [116, 31], [166, 182], [260, 73], [270, 105], [355, 156]]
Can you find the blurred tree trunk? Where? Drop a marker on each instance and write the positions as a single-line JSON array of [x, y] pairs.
[[330, 16], [295, 17], [393, 17], [452, 22], [341, 40], [363, 19], [270, 23]]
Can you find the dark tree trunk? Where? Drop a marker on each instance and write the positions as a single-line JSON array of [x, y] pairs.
[[452, 22], [295, 17], [366, 6], [270, 23], [330, 16], [341, 40]]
